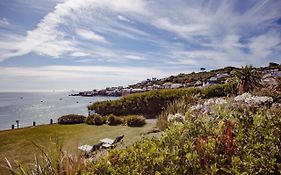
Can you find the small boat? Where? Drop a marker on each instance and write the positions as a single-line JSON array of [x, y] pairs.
[[42, 101]]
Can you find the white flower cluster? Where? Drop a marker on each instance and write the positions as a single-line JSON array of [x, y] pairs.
[[197, 107], [254, 100], [178, 117], [202, 108], [218, 101], [206, 106], [276, 105], [243, 97]]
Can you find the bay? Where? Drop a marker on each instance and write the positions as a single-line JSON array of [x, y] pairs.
[[40, 107]]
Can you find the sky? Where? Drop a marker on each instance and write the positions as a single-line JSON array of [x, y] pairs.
[[58, 45]]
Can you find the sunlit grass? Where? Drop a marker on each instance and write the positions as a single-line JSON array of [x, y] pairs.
[[18, 144]]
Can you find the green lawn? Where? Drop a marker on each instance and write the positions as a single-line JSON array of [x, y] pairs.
[[17, 144]]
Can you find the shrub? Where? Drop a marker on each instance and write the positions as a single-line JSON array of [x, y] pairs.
[[224, 142], [135, 121], [114, 120], [178, 106], [95, 119], [71, 119], [150, 104]]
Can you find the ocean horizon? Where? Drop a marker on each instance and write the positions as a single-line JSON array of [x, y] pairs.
[[40, 107]]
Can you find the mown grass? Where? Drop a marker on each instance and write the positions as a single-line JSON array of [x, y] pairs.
[[18, 144]]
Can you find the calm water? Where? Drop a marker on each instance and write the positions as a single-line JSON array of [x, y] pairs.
[[27, 107]]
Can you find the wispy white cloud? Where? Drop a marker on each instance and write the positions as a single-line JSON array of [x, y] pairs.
[[49, 39], [262, 46], [205, 30], [79, 54], [122, 18], [184, 30], [4, 22], [90, 35], [134, 57]]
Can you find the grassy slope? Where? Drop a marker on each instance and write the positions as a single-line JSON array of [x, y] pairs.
[[17, 144]]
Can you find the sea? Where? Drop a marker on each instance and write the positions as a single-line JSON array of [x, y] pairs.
[[40, 107]]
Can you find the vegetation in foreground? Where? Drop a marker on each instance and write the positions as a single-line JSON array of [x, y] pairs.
[[238, 135], [218, 136], [18, 144]]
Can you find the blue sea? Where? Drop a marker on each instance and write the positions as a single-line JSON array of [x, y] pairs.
[[40, 107]]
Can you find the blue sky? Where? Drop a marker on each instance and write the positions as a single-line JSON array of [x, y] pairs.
[[86, 44]]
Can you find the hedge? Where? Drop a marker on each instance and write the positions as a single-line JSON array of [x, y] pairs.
[[71, 119], [151, 103]]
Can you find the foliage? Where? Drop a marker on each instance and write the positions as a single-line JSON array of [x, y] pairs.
[[51, 161], [71, 119], [114, 120], [248, 79], [151, 104], [224, 142], [95, 119], [231, 139], [135, 120], [178, 106]]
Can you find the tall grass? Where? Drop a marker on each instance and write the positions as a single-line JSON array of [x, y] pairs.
[[178, 106], [52, 160]]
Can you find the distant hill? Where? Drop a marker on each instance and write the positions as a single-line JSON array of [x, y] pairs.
[[220, 75]]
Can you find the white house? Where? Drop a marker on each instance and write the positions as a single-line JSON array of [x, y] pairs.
[[176, 85], [224, 75], [167, 85]]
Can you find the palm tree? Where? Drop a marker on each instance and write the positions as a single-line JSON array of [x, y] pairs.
[[248, 79]]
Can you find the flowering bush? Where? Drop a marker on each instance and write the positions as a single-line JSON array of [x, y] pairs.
[[253, 100], [219, 143], [176, 118], [206, 106]]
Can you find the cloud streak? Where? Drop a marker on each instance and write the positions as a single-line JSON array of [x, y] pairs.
[[90, 35], [4, 22], [168, 34], [89, 76]]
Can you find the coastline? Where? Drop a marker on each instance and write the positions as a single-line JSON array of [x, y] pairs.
[[26, 107]]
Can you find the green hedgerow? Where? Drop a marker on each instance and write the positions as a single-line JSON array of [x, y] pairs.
[[150, 104], [71, 119]]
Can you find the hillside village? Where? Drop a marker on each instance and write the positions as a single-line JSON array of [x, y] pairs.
[[204, 78]]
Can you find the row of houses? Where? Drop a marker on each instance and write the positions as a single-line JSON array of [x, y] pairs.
[[269, 77], [121, 91]]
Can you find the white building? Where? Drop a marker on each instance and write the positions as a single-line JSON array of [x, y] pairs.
[[176, 86]]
